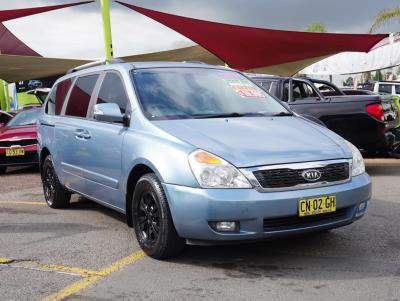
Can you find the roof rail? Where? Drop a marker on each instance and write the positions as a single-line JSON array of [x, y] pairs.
[[194, 62], [94, 64]]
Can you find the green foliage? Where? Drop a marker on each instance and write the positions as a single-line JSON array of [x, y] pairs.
[[385, 17], [378, 76], [316, 27]]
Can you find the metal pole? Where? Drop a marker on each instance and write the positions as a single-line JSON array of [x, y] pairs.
[[105, 12]]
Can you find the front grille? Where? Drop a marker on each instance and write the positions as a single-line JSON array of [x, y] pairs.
[[22, 142], [295, 222], [286, 177], [29, 158]]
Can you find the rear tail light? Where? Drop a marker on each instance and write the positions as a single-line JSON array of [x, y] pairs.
[[376, 111]]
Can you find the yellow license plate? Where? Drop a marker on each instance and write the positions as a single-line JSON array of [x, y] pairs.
[[317, 205], [12, 152]]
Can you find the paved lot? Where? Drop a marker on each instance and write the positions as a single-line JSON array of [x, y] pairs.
[[87, 252]]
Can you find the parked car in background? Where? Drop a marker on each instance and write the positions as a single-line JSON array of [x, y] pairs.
[[5, 117], [364, 120], [389, 87], [18, 140], [358, 92], [195, 153]]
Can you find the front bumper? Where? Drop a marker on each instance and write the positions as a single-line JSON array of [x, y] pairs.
[[193, 208]]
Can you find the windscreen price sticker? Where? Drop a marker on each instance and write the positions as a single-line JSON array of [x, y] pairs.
[[245, 88]]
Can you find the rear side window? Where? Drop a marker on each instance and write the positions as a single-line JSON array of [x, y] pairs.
[[397, 89], [113, 91], [385, 88], [79, 99]]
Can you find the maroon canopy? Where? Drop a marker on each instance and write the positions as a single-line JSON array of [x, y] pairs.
[[250, 48], [6, 15], [9, 43]]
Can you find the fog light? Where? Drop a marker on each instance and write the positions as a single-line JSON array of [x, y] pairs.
[[227, 226], [362, 207]]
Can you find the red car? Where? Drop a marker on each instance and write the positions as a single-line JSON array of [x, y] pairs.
[[18, 140]]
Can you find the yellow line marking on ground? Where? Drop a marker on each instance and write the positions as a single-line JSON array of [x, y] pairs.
[[68, 269], [90, 280], [23, 203], [5, 260]]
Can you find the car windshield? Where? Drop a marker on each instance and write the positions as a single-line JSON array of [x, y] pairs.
[[24, 118], [181, 93]]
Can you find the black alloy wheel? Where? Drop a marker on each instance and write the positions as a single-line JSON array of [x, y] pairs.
[[55, 194]]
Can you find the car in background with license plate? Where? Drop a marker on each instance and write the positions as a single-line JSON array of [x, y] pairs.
[[18, 140], [196, 154]]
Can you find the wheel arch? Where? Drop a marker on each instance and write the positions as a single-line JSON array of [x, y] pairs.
[[135, 174]]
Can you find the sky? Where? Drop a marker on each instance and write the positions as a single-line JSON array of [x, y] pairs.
[[77, 32]]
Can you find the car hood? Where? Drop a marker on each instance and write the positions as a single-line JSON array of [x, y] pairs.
[[257, 141], [18, 132]]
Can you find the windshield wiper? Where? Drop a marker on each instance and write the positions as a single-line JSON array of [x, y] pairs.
[[223, 115], [283, 114]]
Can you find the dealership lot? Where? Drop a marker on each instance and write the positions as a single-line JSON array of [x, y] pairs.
[[87, 252]]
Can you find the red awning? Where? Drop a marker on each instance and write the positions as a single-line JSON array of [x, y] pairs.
[[250, 48], [6, 15], [9, 43]]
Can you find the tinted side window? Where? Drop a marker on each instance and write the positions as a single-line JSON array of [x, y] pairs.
[[61, 93], [79, 99], [385, 88], [51, 103], [113, 91], [397, 89]]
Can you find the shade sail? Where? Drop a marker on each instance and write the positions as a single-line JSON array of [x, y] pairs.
[[6, 15], [14, 68], [10, 44], [255, 49], [385, 54]]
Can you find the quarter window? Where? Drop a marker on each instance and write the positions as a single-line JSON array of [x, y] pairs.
[[61, 93], [51, 102], [80, 96], [113, 91]]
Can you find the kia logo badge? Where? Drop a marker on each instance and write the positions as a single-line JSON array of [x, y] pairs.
[[311, 175]]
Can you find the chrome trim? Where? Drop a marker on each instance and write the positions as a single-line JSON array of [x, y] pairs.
[[248, 173]]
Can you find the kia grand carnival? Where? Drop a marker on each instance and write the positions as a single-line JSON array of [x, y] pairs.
[[193, 153]]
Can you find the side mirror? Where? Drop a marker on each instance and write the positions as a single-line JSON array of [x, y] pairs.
[[108, 112]]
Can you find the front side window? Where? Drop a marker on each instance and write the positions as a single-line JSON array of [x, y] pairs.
[[303, 90], [177, 93], [81, 93], [113, 91]]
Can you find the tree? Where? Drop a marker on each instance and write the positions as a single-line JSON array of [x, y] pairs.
[[378, 76], [385, 17], [316, 27]]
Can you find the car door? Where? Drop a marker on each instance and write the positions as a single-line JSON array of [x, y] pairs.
[[104, 173], [72, 137], [305, 100]]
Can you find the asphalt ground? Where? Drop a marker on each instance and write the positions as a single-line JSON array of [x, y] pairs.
[[87, 252]]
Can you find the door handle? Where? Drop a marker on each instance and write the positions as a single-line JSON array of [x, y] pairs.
[[82, 134]]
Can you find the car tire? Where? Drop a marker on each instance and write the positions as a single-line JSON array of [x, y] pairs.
[[55, 194], [3, 170], [152, 221]]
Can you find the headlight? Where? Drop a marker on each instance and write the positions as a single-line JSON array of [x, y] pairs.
[[214, 172], [358, 166]]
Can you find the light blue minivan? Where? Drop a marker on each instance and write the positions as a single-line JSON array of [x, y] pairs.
[[194, 153]]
